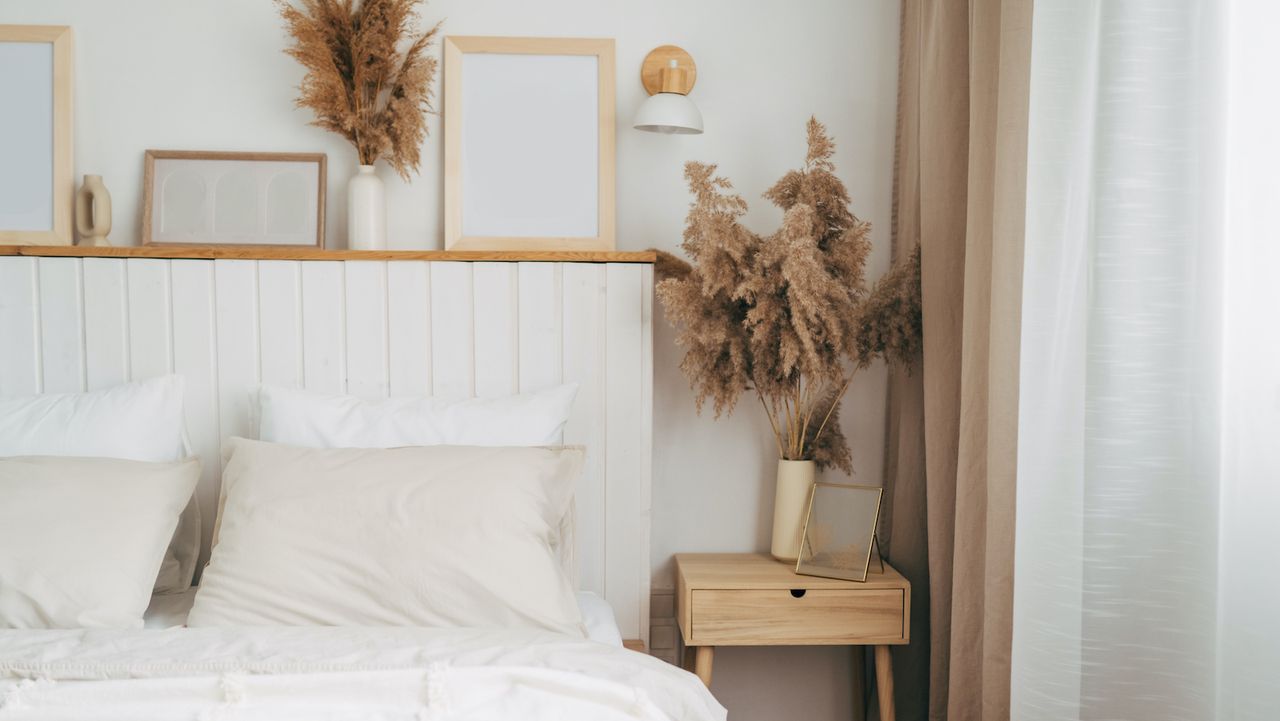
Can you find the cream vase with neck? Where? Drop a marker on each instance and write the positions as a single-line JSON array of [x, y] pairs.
[[790, 506], [366, 211], [93, 212]]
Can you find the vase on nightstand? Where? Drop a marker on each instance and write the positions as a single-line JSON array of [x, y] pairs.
[[366, 211], [790, 506]]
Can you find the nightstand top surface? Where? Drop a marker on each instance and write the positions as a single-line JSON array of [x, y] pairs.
[[761, 571]]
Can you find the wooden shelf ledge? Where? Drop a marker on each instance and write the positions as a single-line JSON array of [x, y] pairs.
[[224, 252]]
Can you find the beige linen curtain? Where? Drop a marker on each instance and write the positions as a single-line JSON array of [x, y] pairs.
[[952, 442]]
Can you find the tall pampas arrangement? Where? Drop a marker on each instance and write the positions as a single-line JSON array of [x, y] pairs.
[[787, 316], [359, 83]]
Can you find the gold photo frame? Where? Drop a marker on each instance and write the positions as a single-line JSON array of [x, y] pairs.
[[529, 155], [839, 538]]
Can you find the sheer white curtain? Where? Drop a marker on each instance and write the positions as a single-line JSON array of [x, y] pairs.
[[1147, 552]]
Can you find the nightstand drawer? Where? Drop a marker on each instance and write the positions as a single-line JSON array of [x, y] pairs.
[[782, 617]]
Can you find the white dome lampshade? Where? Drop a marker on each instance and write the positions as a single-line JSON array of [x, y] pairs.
[[668, 74], [669, 113]]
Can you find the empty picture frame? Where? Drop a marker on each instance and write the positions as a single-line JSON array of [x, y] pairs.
[[529, 143], [36, 184], [196, 197], [840, 531]]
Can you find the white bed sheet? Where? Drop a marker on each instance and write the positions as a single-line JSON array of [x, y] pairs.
[[171, 609], [328, 673]]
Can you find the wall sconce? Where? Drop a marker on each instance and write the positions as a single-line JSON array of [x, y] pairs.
[[668, 74]]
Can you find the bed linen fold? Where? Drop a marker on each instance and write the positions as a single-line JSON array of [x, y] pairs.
[[286, 673]]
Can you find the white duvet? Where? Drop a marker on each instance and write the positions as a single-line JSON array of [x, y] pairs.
[[326, 674]]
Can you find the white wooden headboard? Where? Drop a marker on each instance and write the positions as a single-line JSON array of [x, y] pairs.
[[369, 328]]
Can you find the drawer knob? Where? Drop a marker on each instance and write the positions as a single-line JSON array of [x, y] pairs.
[[798, 592]]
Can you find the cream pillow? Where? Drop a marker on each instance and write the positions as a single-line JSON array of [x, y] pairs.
[[440, 536], [323, 420], [139, 421], [81, 539]]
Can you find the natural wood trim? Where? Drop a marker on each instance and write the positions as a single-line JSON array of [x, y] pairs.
[[64, 186], [658, 60], [702, 663], [148, 181], [236, 252], [634, 644], [455, 46], [884, 682]]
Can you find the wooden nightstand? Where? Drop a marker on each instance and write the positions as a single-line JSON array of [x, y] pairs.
[[747, 599]]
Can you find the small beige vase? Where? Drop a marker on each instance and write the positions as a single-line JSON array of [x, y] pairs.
[[790, 506], [93, 212]]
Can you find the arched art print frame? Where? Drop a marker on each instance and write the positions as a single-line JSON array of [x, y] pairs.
[[221, 198]]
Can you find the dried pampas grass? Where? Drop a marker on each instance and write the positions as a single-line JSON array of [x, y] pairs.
[[359, 84], [787, 315]]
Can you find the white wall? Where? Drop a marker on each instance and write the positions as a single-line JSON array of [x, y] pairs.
[[209, 74]]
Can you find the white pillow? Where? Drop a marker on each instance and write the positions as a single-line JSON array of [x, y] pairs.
[[81, 539], [140, 421], [441, 536], [320, 420]]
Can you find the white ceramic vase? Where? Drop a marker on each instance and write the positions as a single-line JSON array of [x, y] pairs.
[[366, 211], [790, 506]]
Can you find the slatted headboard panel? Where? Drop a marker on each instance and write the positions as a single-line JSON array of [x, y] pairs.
[[370, 328]]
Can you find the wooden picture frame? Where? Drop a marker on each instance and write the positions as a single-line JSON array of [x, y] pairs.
[[529, 126], [267, 206], [24, 135]]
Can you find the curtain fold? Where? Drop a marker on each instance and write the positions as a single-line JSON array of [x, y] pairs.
[[1149, 469], [959, 193]]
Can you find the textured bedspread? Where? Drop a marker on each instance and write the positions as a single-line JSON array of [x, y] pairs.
[[322, 674]]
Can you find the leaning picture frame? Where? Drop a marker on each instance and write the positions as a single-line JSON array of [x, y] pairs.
[[199, 197], [36, 184], [839, 537], [529, 143]]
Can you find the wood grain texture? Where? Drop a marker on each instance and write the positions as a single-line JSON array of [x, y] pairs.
[[759, 570], [658, 60], [218, 252], [884, 682], [752, 600], [776, 617], [703, 659]]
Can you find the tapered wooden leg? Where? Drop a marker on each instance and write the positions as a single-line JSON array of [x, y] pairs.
[[702, 664], [884, 682], [859, 685]]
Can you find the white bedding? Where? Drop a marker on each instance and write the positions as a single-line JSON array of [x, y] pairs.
[[170, 610], [329, 673]]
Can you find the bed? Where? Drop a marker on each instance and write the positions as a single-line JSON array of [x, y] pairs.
[[374, 329], [171, 672], [284, 673]]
